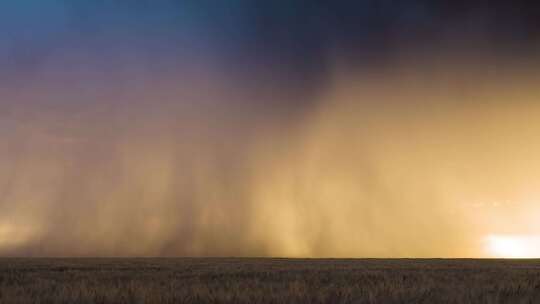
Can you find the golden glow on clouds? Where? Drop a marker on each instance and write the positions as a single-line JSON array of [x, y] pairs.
[[412, 164]]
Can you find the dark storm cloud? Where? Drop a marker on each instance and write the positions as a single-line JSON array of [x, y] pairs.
[[296, 36], [297, 128]]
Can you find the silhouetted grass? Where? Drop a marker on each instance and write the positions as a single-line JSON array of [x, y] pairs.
[[186, 280]]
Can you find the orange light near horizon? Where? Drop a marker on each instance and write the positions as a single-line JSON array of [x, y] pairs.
[[513, 246], [12, 235]]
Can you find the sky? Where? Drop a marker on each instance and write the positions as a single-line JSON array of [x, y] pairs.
[[269, 128]]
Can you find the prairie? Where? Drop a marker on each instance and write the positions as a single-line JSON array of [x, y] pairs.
[[267, 280]]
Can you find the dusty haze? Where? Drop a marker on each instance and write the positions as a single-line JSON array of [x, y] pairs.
[[445, 157], [186, 128]]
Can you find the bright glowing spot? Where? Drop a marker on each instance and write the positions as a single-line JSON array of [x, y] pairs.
[[514, 246]]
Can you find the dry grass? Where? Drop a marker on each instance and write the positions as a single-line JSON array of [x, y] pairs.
[[186, 280]]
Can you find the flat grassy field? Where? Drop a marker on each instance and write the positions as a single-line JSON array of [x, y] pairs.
[[254, 280]]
